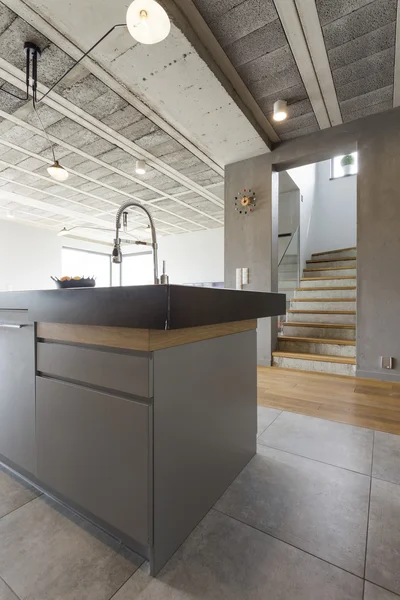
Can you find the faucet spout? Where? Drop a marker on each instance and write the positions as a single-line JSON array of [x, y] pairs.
[[117, 254]]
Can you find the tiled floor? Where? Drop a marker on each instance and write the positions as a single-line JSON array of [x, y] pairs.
[[314, 516]]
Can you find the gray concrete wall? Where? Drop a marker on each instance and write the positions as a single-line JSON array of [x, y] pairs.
[[252, 240], [378, 252]]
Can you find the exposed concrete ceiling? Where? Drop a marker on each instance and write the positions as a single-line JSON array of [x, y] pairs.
[[200, 99], [159, 103], [332, 61]]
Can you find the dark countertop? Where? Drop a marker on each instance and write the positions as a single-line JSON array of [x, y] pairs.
[[144, 306]]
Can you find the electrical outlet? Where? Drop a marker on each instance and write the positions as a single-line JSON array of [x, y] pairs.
[[387, 362]]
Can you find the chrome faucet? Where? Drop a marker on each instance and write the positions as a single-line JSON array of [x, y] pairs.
[[117, 254]]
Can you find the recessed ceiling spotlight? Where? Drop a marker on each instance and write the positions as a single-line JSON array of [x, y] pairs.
[[10, 215], [140, 167], [280, 110], [147, 21], [57, 172]]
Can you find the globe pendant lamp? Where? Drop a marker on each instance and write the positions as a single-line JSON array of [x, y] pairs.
[[147, 21], [57, 172]]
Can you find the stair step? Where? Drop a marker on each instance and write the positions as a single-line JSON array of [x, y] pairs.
[[289, 338], [334, 251], [322, 260], [330, 271], [326, 293], [320, 316], [320, 330], [321, 363], [323, 304], [335, 279], [316, 346], [313, 289], [324, 325], [332, 264], [325, 299], [346, 360], [323, 312]]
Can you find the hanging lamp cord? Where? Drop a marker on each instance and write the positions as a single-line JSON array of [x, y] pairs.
[[35, 100]]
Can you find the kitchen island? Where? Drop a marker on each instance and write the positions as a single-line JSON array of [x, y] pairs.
[[135, 406]]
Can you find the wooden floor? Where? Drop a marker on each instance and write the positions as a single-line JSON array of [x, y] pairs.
[[364, 402]]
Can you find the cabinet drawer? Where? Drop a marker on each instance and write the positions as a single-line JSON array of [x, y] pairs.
[[93, 448], [14, 316], [121, 372]]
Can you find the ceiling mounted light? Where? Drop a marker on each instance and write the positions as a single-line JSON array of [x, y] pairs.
[[280, 110], [64, 231], [140, 168], [57, 172], [147, 21], [10, 215]]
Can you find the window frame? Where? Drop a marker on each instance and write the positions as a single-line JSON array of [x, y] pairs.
[[143, 253], [96, 252], [332, 166]]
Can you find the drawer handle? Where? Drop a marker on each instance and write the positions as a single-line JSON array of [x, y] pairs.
[[10, 326]]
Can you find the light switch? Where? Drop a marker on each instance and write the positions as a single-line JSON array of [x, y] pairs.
[[245, 275], [239, 280]]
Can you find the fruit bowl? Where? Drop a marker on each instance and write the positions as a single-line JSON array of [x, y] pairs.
[[74, 283]]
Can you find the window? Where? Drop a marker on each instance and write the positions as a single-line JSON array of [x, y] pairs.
[[87, 264], [338, 171], [137, 269]]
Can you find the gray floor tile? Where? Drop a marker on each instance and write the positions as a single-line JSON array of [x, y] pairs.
[[373, 592], [334, 443], [47, 552], [265, 416], [386, 463], [227, 560], [13, 492], [383, 552], [316, 507], [5, 592]]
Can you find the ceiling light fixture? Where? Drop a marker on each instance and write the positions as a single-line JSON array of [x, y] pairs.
[[64, 231], [140, 167], [147, 21], [57, 172], [10, 215], [280, 110]]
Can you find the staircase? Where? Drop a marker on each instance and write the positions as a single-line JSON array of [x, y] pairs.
[[320, 329]]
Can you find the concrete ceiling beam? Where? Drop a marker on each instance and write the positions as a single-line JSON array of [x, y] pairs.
[[189, 20], [292, 26], [311, 25]]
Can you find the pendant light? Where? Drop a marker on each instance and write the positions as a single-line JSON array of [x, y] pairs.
[[147, 21], [57, 172]]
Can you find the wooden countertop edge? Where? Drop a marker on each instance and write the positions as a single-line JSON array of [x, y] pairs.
[[146, 340]]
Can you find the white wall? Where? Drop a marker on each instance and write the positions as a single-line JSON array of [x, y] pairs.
[[334, 218], [194, 257], [28, 256], [305, 179]]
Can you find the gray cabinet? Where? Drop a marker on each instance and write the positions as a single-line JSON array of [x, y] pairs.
[[94, 449], [17, 392]]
